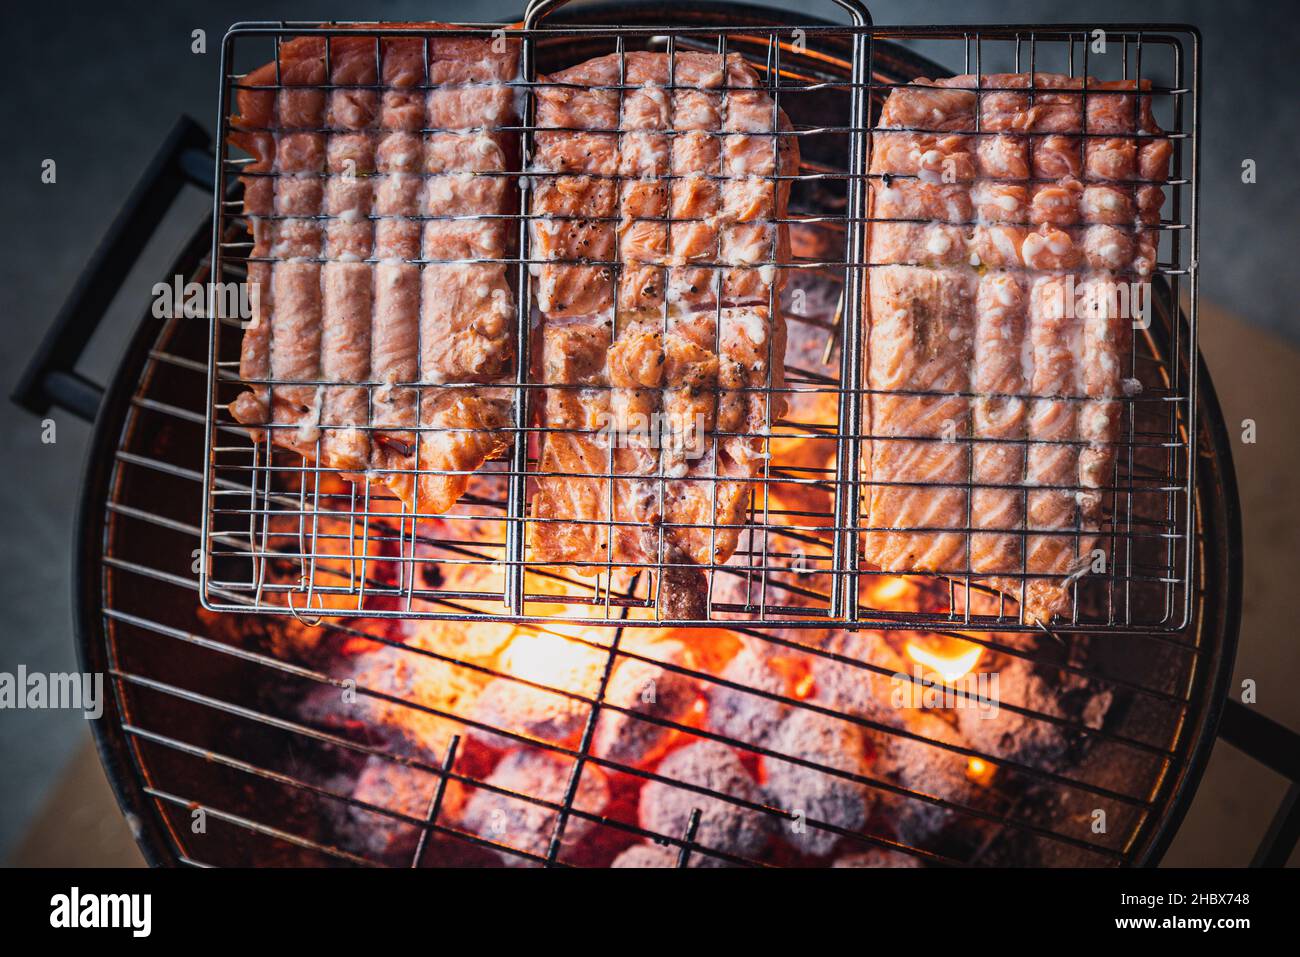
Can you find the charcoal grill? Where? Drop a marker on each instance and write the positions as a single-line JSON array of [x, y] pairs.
[[198, 720], [798, 564]]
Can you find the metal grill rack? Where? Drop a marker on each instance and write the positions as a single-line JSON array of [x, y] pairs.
[[285, 534], [207, 706]]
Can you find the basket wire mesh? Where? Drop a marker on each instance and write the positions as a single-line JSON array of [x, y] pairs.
[[285, 532]]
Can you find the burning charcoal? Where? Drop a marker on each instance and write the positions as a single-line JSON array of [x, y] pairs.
[[743, 716], [878, 857], [462, 640], [402, 673], [648, 689], [395, 787], [647, 855], [855, 690], [925, 769], [666, 809], [510, 706], [831, 743], [551, 716], [1024, 738], [522, 824]]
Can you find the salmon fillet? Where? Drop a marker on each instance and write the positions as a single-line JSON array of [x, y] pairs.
[[386, 315], [996, 378], [657, 226]]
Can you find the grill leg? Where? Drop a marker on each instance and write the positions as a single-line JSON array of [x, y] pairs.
[[1280, 840], [1277, 748]]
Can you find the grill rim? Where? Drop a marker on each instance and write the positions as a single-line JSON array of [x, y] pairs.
[[91, 585], [1214, 698]]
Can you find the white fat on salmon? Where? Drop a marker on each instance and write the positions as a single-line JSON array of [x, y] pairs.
[[938, 243], [308, 426], [930, 167], [492, 112], [1006, 245], [485, 145], [751, 323], [440, 189]]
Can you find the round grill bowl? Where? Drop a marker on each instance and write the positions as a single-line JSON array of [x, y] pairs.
[[179, 693]]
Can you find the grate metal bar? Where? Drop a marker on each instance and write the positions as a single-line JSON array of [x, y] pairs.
[[566, 806], [685, 844], [594, 704]]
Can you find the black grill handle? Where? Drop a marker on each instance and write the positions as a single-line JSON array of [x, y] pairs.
[[51, 378], [1277, 748]]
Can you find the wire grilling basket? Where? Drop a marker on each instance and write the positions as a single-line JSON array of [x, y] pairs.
[[287, 531]]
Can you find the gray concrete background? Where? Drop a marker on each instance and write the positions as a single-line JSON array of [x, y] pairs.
[[96, 87]]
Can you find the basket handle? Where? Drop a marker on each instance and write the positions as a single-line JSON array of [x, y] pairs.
[[51, 378], [537, 9]]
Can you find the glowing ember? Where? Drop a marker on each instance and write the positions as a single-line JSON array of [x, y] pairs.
[[550, 660], [889, 590], [979, 771], [951, 668]]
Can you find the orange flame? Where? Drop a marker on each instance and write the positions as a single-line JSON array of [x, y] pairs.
[[950, 668], [889, 590]]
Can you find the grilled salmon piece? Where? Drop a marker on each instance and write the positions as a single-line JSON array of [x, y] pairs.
[[379, 196], [571, 498], [996, 387], [654, 214]]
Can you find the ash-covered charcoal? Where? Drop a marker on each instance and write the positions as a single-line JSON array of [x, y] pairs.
[[925, 769], [648, 689], [522, 824], [394, 787], [666, 809], [507, 705], [1026, 739], [878, 857], [742, 715], [405, 674], [812, 794], [856, 690], [647, 855]]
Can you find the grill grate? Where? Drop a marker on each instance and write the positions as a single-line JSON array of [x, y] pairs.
[[285, 534], [201, 698]]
